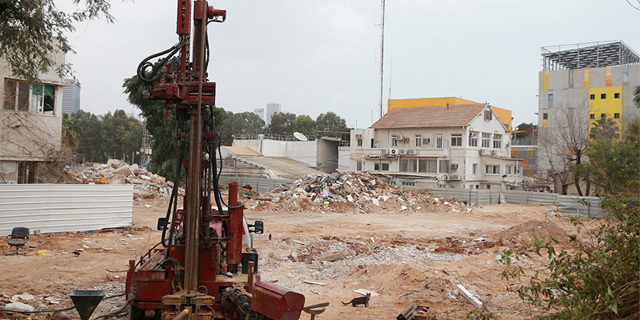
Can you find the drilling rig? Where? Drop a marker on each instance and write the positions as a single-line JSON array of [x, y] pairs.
[[206, 267]]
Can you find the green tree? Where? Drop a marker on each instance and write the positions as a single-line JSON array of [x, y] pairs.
[[90, 144], [122, 136], [331, 122], [31, 31], [305, 125], [282, 123], [528, 131], [636, 96], [164, 144], [70, 132], [247, 123]]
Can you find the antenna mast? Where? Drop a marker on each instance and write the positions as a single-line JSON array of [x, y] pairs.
[[382, 58]]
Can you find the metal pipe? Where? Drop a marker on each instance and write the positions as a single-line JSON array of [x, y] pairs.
[[182, 315]]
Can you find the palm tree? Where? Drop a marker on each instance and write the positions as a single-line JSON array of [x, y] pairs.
[[70, 132]]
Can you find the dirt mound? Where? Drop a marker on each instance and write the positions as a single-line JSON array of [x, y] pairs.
[[530, 230], [351, 191]]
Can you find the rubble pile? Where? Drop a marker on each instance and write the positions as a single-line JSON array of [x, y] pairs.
[[146, 185], [351, 190]]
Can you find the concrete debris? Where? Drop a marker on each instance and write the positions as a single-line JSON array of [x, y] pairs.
[[18, 306], [146, 185], [470, 297], [361, 191]]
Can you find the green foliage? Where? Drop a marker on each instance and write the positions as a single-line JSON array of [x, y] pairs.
[[247, 123], [595, 280], [636, 96], [613, 162], [331, 122], [70, 132], [305, 125], [113, 136], [482, 314], [282, 123], [526, 134], [599, 279], [164, 144], [33, 31]]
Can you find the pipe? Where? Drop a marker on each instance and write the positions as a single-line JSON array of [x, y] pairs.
[[182, 315]]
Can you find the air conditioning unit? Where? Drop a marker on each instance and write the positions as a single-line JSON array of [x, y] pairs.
[[454, 166], [443, 177], [399, 137], [402, 151], [373, 156], [393, 151], [456, 177], [485, 152], [426, 140], [384, 151], [358, 136], [411, 151]]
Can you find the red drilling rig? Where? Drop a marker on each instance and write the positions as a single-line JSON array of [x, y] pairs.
[[186, 278]]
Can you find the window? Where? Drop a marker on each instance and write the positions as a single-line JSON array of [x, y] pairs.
[[439, 142], [376, 166], [616, 115], [603, 96], [592, 116], [37, 98], [444, 166], [456, 140], [475, 169], [497, 141], [592, 96], [427, 165], [473, 139], [603, 116], [508, 169], [359, 142], [550, 98], [418, 140], [394, 141], [570, 78], [616, 95], [492, 169], [408, 165], [385, 166], [359, 166], [487, 115], [486, 140], [545, 116]]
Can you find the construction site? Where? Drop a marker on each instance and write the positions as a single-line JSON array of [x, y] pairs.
[[439, 209], [407, 248]]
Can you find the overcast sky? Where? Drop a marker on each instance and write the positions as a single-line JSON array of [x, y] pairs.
[[315, 56]]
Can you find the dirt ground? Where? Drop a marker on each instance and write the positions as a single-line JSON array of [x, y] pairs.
[[402, 257]]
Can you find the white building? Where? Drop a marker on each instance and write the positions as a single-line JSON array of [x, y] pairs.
[[463, 146], [30, 124]]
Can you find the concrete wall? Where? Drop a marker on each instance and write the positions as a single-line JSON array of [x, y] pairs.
[[327, 155], [303, 151]]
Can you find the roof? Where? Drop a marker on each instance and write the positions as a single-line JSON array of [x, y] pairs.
[[423, 102], [588, 55], [429, 116]]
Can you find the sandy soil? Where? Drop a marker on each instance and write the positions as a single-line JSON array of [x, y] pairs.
[[403, 258]]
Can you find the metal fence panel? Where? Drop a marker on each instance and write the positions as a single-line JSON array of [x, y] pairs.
[[468, 195], [582, 206], [260, 185], [65, 207]]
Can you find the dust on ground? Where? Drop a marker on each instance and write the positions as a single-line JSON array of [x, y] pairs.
[[402, 256]]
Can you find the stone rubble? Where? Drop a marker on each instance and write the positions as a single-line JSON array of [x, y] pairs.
[[351, 190], [146, 185]]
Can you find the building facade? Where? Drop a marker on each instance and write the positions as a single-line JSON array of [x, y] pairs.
[[71, 97], [460, 146], [272, 108], [30, 124], [580, 84]]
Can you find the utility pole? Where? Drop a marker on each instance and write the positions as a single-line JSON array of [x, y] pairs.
[[382, 59]]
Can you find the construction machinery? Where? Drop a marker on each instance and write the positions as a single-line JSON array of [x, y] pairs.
[[206, 267]]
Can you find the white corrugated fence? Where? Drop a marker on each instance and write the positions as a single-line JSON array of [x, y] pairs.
[[65, 207]]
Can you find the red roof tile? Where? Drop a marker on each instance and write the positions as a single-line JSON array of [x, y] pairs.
[[429, 117]]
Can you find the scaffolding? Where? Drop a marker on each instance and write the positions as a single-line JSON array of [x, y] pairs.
[[588, 55]]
